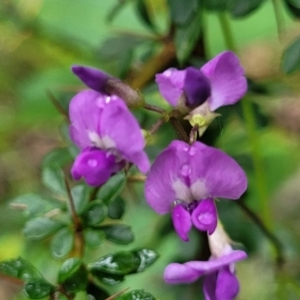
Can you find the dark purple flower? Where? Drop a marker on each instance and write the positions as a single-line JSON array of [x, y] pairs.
[[107, 134], [92, 77], [220, 282], [220, 82], [185, 179]]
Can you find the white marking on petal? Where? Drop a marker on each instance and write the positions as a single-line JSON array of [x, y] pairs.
[[108, 142], [95, 139], [182, 191], [107, 99], [199, 190]]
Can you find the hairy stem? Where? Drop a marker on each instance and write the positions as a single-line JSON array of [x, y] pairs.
[[179, 129], [154, 108]]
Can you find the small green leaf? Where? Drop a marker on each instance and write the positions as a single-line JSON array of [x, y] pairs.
[[112, 188], [94, 238], [136, 295], [147, 258], [291, 57], [293, 7], [34, 205], [108, 279], [181, 10], [80, 194], [62, 243], [186, 38], [216, 5], [53, 178], [144, 15], [19, 268], [40, 228], [121, 263], [95, 213], [73, 275], [118, 233], [116, 208], [242, 8], [38, 288], [57, 158]]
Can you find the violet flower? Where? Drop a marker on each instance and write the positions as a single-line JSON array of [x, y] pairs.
[[219, 82], [107, 134], [185, 179], [220, 282]]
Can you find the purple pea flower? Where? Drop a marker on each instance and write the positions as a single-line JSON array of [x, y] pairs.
[[107, 134], [220, 282], [185, 179], [220, 82]]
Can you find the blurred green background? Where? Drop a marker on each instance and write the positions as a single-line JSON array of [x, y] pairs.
[[40, 40]]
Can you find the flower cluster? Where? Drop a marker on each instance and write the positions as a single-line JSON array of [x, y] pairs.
[[185, 179]]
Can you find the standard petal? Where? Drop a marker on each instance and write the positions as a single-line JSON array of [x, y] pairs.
[[179, 273], [205, 216], [227, 285], [85, 111], [96, 166], [226, 76], [196, 87], [120, 126], [92, 77], [217, 172], [170, 85], [164, 181], [182, 222]]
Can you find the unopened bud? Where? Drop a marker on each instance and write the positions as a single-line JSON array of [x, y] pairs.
[[131, 97]]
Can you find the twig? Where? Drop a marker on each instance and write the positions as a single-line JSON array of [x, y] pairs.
[[193, 134], [179, 129], [154, 108], [117, 294], [79, 239], [157, 125], [273, 239]]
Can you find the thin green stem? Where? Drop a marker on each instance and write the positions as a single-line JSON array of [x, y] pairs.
[[257, 162], [227, 32], [278, 18], [272, 237]]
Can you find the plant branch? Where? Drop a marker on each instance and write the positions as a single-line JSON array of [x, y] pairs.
[[154, 108], [272, 238], [179, 129]]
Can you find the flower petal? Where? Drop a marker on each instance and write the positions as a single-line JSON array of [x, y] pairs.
[[209, 286], [85, 111], [95, 165], [165, 178], [216, 263], [196, 87], [180, 273], [218, 172], [226, 75], [227, 285], [182, 222], [170, 85], [205, 216], [92, 77], [119, 126]]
